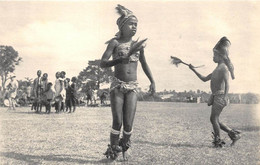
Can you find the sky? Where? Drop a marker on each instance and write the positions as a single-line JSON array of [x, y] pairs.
[[63, 35]]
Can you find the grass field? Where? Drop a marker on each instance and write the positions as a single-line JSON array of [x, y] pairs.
[[164, 133]]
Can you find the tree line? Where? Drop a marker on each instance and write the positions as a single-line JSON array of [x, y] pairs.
[[93, 76]]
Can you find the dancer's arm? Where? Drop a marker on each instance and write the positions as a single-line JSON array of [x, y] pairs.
[[203, 78], [105, 62], [147, 71]]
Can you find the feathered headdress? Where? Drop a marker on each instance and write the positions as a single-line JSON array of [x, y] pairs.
[[223, 48], [121, 10], [136, 46], [125, 15]]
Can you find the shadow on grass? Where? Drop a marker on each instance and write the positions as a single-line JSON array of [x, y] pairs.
[[31, 112], [35, 159], [174, 145]]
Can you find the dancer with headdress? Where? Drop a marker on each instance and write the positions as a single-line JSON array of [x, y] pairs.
[[219, 84], [123, 90]]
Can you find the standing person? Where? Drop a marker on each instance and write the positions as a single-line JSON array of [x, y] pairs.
[[43, 86], [68, 95], [90, 94], [49, 95], [13, 86], [219, 85], [63, 89], [123, 89], [29, 91], [73, 96], [57, 87], [23, 100], [37, 91], [103, 97], [94, 96], [44, 81]]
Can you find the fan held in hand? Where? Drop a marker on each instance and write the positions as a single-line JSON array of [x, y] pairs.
[[136, 46], [176, 61]]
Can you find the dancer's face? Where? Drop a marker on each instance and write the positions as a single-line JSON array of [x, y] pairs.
[[217, 56], [130, 27]]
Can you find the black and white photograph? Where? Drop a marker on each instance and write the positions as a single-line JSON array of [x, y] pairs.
[[129, 82]]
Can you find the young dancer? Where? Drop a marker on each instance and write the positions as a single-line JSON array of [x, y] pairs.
[[123, 89], [219, 85]]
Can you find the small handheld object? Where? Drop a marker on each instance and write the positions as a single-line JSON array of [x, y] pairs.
[[136, 46], [176, 61]]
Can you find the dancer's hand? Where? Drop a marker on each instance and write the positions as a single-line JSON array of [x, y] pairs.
[[191, 67]]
